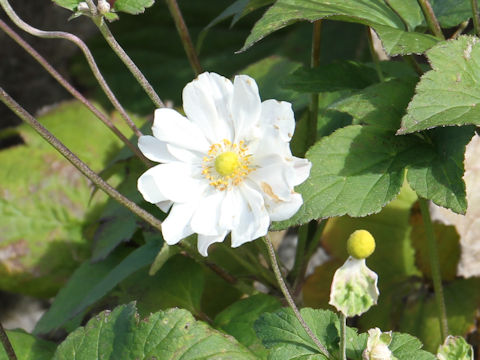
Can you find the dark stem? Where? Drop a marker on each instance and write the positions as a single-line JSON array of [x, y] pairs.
[[315, 61], [476, 17], [184, 36], [432, 21], [75, 93], [288, 297], [435, 268], [7, 345]]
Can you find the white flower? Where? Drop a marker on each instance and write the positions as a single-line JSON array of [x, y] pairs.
[[226, 167], [377, 346]]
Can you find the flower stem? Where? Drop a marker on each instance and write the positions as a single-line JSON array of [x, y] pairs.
[[288, 297], [315, 61], [374, 55], [476, 17], [184, 36], [88, 55], [7, 345], [79, 164], [74, 92], [142, 80], [431, 18], [435, 268], [343, 336]]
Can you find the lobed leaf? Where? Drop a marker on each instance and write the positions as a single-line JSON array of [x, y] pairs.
[[165, 335], [374, 13], [449, 93]]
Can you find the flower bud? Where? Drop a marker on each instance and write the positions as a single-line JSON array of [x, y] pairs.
[[360, 244], [83, 7], [103, 7], [377, 346]]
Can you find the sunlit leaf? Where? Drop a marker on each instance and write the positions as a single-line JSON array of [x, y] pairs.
[[28, 347]]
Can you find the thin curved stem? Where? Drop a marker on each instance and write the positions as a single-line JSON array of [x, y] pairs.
[[476, 17], [74, 92], [7, 345], [343, 336], [314, 62], [432, 21], [435, 268], [142, 80], [79, 164], [288, 297], [88, 55], [184, 36]]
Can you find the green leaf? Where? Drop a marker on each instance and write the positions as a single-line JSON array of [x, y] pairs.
[[238, 9], [374, 13], [127, 6], [182, 283], [452, 12], [356, 171], [165, 335], [406, 347], [410, 12], [28, 347], [46, 206], [440, 177], [448, 94], [237, 320], [284, 335], [345, 75], [93, 281]]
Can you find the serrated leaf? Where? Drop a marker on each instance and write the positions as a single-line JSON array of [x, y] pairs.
[[283, 334], [452, 12], [356, 171], [28, 347], [406, 347], [448, 94], [440, 178], [237, 320], [374, 13], [165, 335]]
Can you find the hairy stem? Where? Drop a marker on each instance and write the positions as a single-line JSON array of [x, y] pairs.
[[315, 61], [288, 297], [7, 345], [79, 164], [476, 17], [184, 36], [97, 180], [435, 268], [343, 336], [74, 92], [374, 55], [142, 80], [432, 21], [88, 55]]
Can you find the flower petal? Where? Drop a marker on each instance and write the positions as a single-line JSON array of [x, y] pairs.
[[207, 102], [273, 177], [246, 107], [185, 155], [302, 169], [229, 209], [173, 181], [253, 219], [177, 224], [149, 188], [164, 205], [205, 221], [173, 128], [204, 241], [278, 115], [154, 149], [283, 210]]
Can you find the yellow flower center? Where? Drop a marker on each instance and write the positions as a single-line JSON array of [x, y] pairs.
[[360, 244], [226, 164]]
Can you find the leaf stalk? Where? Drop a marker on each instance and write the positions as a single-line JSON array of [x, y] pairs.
[[7, 345], [432, 21]]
